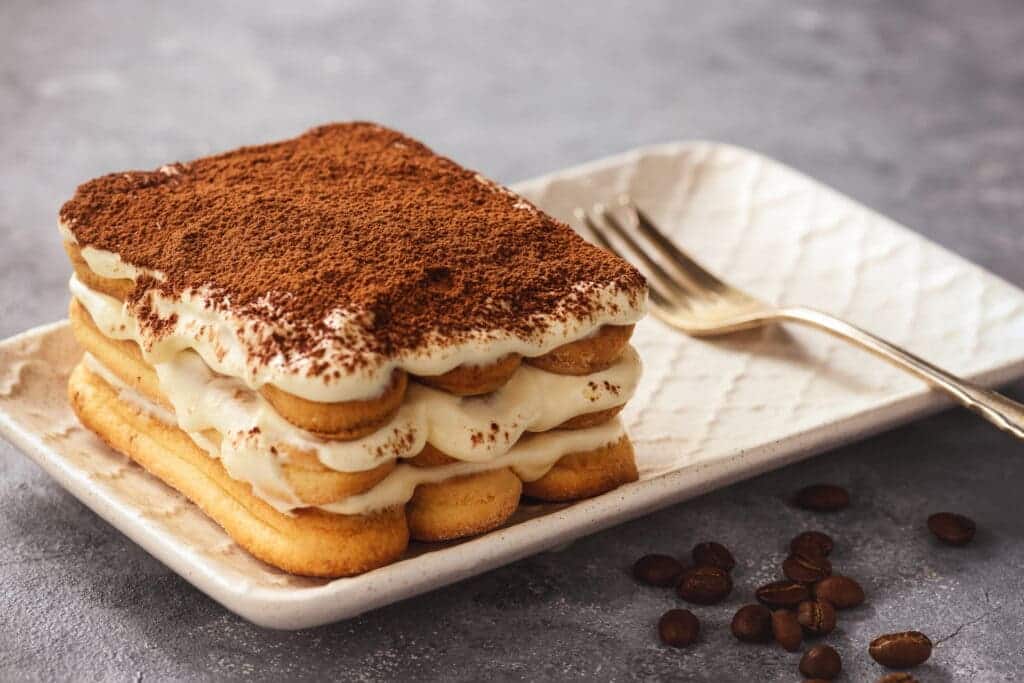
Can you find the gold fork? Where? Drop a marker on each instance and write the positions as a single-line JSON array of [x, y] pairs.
[[691, 299]]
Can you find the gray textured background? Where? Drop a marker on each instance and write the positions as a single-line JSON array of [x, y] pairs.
[[915, 108]]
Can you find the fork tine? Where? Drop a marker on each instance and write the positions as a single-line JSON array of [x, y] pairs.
[[584, 218], [658, 297], [686, 266], [660, 301], [668, 282]]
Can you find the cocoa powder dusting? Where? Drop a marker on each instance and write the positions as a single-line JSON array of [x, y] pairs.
[[351, 217]]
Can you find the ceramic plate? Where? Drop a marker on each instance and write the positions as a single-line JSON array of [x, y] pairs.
[[706, 414]]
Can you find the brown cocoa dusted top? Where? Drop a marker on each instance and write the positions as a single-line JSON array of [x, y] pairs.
[[348, 217]]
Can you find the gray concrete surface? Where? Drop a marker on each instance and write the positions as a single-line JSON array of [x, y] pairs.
[[916, 108]]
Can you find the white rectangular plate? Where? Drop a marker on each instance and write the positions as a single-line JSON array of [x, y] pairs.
[[707, 413]]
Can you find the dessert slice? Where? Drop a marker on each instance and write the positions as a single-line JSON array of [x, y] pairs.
[[337, 341]]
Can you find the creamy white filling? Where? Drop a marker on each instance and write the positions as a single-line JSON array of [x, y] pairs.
[[111, 264], [530, 458], [472, 429], [475, 429], [225, 342]]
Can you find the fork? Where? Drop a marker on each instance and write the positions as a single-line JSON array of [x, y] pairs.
[[691, 299]]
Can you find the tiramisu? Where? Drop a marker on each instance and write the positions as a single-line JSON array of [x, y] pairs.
[[337, 342]]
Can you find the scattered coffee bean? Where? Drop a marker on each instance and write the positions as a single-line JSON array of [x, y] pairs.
[[657, 570], [704, 585], [786, 630], [782, 594], [678, 627], [821, 661], [806, 568], [818, 617], [951, 528], [897, 677], [752, 624], [901, 650], [812, 544], [822, 498], [711, 554], [842, 591]]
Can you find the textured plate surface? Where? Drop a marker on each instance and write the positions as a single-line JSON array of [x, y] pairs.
[[706, 414]]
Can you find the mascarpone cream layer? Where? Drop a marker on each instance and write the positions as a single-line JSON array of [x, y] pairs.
[[227, 343], [472, 429], [530, 458]]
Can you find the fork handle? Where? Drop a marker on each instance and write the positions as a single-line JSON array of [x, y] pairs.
[[1001, 411]]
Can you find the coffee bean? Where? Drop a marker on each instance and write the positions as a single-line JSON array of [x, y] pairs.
[[822, 498], [901, 650], [841, 591], [704, 585], [678, 627], [806, 568], [951, 528], [711, 554], [818, 617], [897, 677], [821, 661], [786, 630], [812, 544], [782, 594], [752, 624], [657, 570]]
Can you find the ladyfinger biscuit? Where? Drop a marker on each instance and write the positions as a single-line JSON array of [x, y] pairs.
[[318, 485], [344, 420], [586, 474], [463, 506], [473, 380], [590, 419], [590, 354], [119, 288], [121, 356], [309, 541]]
